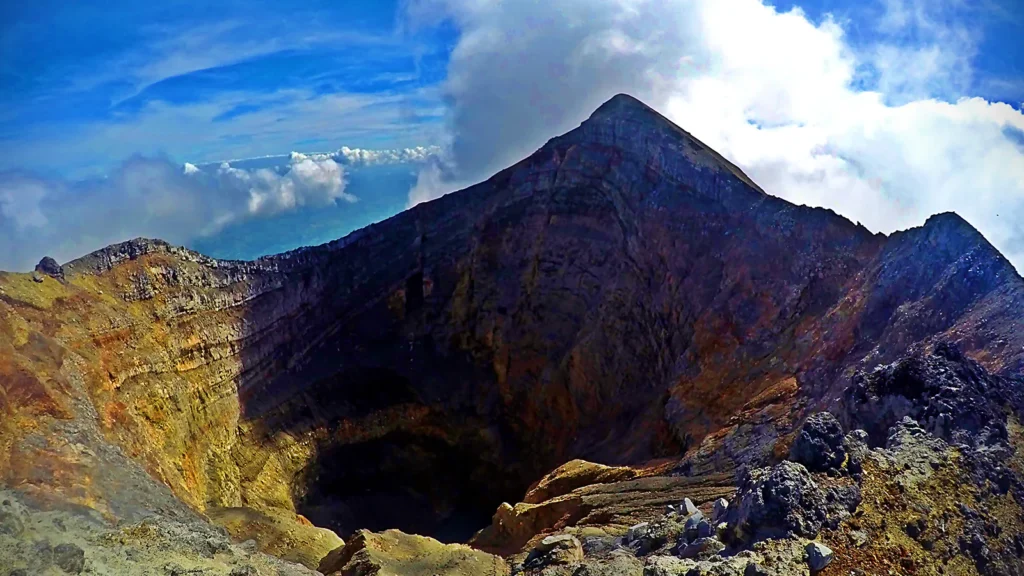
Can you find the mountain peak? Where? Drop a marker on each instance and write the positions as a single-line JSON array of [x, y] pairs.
[[951, 221], [623, 108], [622, 105], [950, 231], [949, 228]]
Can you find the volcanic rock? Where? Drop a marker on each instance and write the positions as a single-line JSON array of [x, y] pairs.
[[11, 522], [719, 508], [694, 520], [701, 548], [635, 532], [714, 566], [619, 564], [50, 267], [818, 556], [69, 557], [784, 500], [575, 474], [819, 445], [561, 549]]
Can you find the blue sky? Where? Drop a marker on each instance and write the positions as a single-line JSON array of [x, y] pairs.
[[93, 71], [997, 64], [877, 109], [73, 71]]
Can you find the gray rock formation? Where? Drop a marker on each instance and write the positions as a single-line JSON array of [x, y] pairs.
[[50, 267], [785, 501], [819, 445], [818, 556]]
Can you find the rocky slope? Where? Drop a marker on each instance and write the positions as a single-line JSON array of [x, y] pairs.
[[927, 482], [624, 295]]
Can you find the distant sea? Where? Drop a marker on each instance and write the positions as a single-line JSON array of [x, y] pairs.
[[382, 192]]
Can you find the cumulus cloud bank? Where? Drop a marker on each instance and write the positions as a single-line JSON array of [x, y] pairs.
[[151, 197], [307, 181], [875, 132], [357, 157], [364, 157]]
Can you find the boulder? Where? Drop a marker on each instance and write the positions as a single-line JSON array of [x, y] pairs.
[[636, 531], [692, 528], [50, 267], [701, 548], [818, 556], [69, 557], [719, 508], [654, 536], [778, 501], [819, 445], [915, 528], [693, 520], [755, 569], [11, 523], [556, 549]]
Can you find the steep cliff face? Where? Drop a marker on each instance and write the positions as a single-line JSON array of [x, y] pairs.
[[624, 294]]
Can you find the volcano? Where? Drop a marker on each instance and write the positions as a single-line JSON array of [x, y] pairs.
[[620, 321]]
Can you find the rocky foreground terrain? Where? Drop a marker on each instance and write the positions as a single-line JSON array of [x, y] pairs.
[[619, 356]]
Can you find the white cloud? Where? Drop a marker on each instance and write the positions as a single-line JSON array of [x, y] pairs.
[[434, 180], [154, 198], [774, 92], [367, 157], [19, 203], [355, 156], [175, 50], [307, 182], [925, 48]]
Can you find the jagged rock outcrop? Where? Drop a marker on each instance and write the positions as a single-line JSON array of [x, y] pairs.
[[624, 294], [820, 444], [50, 267], [916, 504], [576, 474], [784, 500]]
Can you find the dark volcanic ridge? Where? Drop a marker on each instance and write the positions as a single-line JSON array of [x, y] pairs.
[[624, 296]]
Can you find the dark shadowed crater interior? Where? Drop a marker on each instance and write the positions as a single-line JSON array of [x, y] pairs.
[[414, 466], [418, 484]]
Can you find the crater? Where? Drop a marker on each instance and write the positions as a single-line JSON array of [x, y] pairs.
[[420, 483], [385, 457]]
